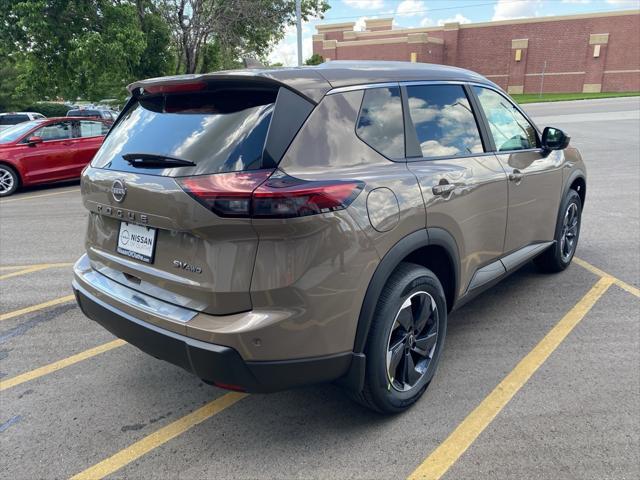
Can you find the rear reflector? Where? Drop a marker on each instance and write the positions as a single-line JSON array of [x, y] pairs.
[[259, 194]]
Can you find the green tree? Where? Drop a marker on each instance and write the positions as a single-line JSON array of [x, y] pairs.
[[237, 27], [314, 59], [83, 48]]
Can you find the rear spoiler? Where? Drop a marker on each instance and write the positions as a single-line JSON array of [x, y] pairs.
[[305, 82]]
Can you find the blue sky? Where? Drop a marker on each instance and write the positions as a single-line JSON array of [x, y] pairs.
[[415, 13]]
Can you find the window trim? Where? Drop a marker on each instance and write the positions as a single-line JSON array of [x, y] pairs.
[[537, 148], [409, 124], [402, 159]]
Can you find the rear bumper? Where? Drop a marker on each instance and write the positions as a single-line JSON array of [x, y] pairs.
[[213, 363]]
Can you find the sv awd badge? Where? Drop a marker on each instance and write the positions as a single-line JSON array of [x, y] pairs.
[[187, 266]]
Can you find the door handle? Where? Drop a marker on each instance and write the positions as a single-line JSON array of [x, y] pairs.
[[443, 188], [516, 176]]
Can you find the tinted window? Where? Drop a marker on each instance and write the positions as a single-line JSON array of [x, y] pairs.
[[222, 131], [380, 123], [13, 119], [83, 113], [509, 128], [56, 131], [92, 129], [443, 119]]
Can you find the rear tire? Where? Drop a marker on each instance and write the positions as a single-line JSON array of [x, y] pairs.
[[9, 180], [405, 340], [558, 257]]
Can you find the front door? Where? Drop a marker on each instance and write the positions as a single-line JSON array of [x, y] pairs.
[[51, 159], [463, 186], [535, 176]]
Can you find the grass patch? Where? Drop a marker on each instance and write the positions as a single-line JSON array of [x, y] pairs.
[[559, 97]]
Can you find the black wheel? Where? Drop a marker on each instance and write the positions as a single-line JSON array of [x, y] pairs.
[[9, 180], [405, 340], [558, 257]]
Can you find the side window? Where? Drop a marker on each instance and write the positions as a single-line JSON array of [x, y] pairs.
[[509, 128], [55, 131], [380, 124], [443, 119], [92, 129]]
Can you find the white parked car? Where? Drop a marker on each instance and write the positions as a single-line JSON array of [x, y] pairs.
[[13, 118]]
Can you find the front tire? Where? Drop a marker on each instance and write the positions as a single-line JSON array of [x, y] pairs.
[[558, 257], [405, 340], [9, 180]]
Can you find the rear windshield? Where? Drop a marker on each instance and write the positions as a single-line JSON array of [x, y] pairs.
[[13, 119], [219, 131], [83, 113]]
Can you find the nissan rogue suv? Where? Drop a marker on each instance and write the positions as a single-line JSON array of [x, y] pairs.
[[266, 229]]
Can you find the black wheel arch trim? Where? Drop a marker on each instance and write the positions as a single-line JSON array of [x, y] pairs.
[[575, 175], [409, 244]]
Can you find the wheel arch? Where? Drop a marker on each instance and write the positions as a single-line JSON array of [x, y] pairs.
[[15, 169], [433, 248], [577, 181]]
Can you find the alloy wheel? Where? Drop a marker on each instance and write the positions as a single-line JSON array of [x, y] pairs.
[[6, 181], [412, 341], [570, 225]]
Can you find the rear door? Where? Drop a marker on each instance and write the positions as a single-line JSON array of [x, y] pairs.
[[535, 176], [88, 136], [464, 186], [195, 210]]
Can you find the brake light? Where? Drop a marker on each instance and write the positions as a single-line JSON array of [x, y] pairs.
[[287, 197], [254, 194], [176, 87], [226, 194]]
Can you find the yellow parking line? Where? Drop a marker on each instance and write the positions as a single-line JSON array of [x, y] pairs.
[[624, 285], [35, 308], [65, 362], [441, 459], [159, 437], [33, 268], [29, 197]]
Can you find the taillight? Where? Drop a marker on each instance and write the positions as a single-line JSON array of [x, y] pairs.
[[286, 197], [254, 194], [226, 194]]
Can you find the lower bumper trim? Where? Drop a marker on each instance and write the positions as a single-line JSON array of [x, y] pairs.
[[213, 363]]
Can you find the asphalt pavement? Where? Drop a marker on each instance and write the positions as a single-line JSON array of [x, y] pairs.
[[540, 376]]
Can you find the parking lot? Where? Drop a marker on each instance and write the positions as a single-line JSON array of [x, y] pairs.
[[539, 379]]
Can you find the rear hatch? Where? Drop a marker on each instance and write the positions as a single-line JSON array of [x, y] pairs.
[[167, 190]]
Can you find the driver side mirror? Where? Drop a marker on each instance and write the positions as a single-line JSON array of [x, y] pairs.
[[34, 140], [554, 139]]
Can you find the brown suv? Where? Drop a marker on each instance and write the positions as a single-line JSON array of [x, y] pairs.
[[266, 229]]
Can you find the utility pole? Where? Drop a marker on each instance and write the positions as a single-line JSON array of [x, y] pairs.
[[299, 29]]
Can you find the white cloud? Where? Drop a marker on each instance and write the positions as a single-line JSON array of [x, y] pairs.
[[426, 22], [286, 51], [507, 9], [362, 4], [576, 1], [458, 18], [630, 3], [411, 8], [361, 24]]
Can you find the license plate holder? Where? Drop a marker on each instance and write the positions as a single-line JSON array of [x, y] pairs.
[[137, 241]]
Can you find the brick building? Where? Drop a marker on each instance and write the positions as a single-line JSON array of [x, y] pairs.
[[583, 53]]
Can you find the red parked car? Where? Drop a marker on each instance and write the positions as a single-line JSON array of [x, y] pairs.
[[48, 150]]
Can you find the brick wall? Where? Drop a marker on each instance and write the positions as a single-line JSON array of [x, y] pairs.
[[576, 53]]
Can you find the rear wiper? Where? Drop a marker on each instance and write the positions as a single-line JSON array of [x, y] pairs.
[[155, 160]]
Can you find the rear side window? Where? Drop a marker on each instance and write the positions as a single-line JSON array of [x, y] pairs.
[[380, 124], [509, 128], [219, 131], [13, 119], [443, 119]]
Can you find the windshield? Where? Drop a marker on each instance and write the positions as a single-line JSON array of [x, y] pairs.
[[12, 134], [221, 131]]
